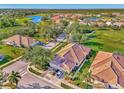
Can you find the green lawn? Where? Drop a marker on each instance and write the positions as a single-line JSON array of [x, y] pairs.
[[102, 40], [106, 40], [80, 76], [10, 53], [22, 21]]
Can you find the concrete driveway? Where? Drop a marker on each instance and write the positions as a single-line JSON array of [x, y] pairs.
[[50, 45], [28, 81]]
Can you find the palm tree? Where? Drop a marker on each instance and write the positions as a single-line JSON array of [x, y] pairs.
[[14, 78]]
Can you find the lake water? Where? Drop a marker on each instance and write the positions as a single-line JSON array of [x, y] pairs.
[[35, 19]]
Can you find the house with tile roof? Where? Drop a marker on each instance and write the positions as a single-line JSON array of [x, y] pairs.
[[19, 41], [108, 68], [69, 57], [56, 18]]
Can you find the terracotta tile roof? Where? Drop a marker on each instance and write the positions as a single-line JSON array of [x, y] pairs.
[[108, 67], [56, 18], [71, 55], [20, 40]]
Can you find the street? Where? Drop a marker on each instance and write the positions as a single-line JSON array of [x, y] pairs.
[[28, 81]]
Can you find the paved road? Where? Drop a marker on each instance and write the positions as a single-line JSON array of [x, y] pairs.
[[27, 81]]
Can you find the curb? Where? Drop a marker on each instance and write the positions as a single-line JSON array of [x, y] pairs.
[[46, 80]]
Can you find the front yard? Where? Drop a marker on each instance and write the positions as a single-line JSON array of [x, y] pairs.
[[10, 53]]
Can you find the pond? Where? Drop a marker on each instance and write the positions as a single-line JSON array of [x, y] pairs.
[[35, 19]]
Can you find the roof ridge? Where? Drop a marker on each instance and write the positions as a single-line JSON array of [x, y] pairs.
[[117, 61], [114, 73], [102, 61], [103, 70], [74, 52]]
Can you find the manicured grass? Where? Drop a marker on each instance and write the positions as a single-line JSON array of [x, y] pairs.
[[80, 75], [22, 20], [10, 53], [106, 40]]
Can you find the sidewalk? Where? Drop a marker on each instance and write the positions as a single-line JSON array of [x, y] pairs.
[[71, 85], [44, 79], [53, 80]]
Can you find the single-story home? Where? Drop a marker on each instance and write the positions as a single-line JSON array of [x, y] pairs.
[[2, 57], [21, 41], [69, 57], [108, 68]]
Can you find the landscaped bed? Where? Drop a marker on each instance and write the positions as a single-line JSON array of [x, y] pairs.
[[78, 80], [65, 86]]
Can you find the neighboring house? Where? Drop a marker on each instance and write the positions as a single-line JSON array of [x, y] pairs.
[[108, 68], [21, 41], [108, 23], [83, 23], [119, 24], [56, 18], [69, 57], [1, 57]]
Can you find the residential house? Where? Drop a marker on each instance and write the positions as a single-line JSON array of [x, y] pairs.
[[108, 68], [83, 23], [56, 18], [21, 41], [108, 23], [1, 57], [69, 57], [118, 24]]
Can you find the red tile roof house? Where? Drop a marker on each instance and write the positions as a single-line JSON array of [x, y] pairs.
[[21, 41], [56, 18], [69, 57], [108, 68]]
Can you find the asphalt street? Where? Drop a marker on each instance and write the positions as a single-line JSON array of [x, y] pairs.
[[28, 81]]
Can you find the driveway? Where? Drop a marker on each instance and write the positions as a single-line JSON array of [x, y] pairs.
[[50, 45], [28, 81]]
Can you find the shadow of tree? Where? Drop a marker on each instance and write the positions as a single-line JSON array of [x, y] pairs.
[[93, 44]]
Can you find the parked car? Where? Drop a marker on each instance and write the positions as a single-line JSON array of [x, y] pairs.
[[60, 74]]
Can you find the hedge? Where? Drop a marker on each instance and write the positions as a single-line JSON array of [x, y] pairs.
[[65, 86], [34, 71]]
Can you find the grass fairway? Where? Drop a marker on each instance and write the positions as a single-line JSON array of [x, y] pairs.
[[107, 40], [10, 53]]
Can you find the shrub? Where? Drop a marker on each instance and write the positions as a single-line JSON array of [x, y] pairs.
[[65, 86], [34, 71]]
